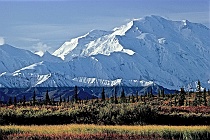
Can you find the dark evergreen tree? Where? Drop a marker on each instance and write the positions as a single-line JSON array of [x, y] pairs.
[[122, 97], [145, 100], [21, 101], [132, 99], [52, 101], [129, 99], [151, 94], [10, 101], [24, 100], [141, 98], [97, 100], [137, 96], [204, 97], [196, 101], [181, 97], [147, 94], [188, 95], [68, 99], [47, 98], [60, 101], [103, 95], [175, 99], [112, 99], [115, 96], [15, 101], [159, 91], [170, 99], [75, 97], [199, 86], [34, 98], [208, 92], [163, 93], [199, 98]]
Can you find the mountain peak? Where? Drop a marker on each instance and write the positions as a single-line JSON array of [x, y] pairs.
[[50, 58], [39, 53], [107, 42], [151, 48], [13, 58], [97, 33]]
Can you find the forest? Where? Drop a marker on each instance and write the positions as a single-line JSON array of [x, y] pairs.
[[175, 109]]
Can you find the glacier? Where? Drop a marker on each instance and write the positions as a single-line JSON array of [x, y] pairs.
[[149, 50]]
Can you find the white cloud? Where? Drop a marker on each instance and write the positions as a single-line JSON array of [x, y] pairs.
[[1, 40], [40, 46], [28, 39]]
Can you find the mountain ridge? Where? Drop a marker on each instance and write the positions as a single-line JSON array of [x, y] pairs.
[[172, 54]]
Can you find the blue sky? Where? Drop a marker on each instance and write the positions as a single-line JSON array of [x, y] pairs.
[[46, 25]]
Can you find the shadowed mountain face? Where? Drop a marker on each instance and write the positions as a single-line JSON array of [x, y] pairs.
[[55, 93], [145, 51]]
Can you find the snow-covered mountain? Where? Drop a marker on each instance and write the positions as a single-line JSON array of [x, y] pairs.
[[12, 58], [172, 54]]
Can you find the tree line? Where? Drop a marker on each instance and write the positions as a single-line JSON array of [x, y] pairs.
[[180, 98]]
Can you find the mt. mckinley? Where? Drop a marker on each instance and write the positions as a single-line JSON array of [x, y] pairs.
[[172, 54]]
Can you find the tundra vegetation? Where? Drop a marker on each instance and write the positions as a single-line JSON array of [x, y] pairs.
[[181, 115]]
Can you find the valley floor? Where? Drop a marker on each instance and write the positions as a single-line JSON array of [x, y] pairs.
[[82, 131], [144, 117]]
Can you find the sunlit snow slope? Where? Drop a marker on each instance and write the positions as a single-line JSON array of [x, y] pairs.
[[172, 54]]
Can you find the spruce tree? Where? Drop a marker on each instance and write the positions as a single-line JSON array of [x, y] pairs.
[[151, 94], [175, 99], [188, 94], [10, 101], [111, 100], [148, 94], [24, 100], [75, 94], [52, 101], [182, 97], [115, 96], [47, 98], [163, 93], [132, 99], [145, 100], [141, 98], [170, 99], [204, 97], [103, 95], [196, 101], [159, 91], [122, 97], [137, 96], [34, 98], [129, 99], [15, 101], [60, 101], [199, 86]]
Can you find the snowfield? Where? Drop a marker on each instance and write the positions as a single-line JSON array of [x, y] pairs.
[[172, 54]]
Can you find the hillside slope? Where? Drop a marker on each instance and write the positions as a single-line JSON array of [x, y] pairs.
[[172, 54]]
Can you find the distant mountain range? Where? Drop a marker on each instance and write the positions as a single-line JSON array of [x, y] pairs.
[[145, 51]]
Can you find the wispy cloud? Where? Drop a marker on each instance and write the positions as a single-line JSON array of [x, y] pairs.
[[1, 41], [28, 39], [198, 17], [40, 46]]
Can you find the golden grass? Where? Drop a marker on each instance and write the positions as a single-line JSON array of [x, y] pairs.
[[94, 129]]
